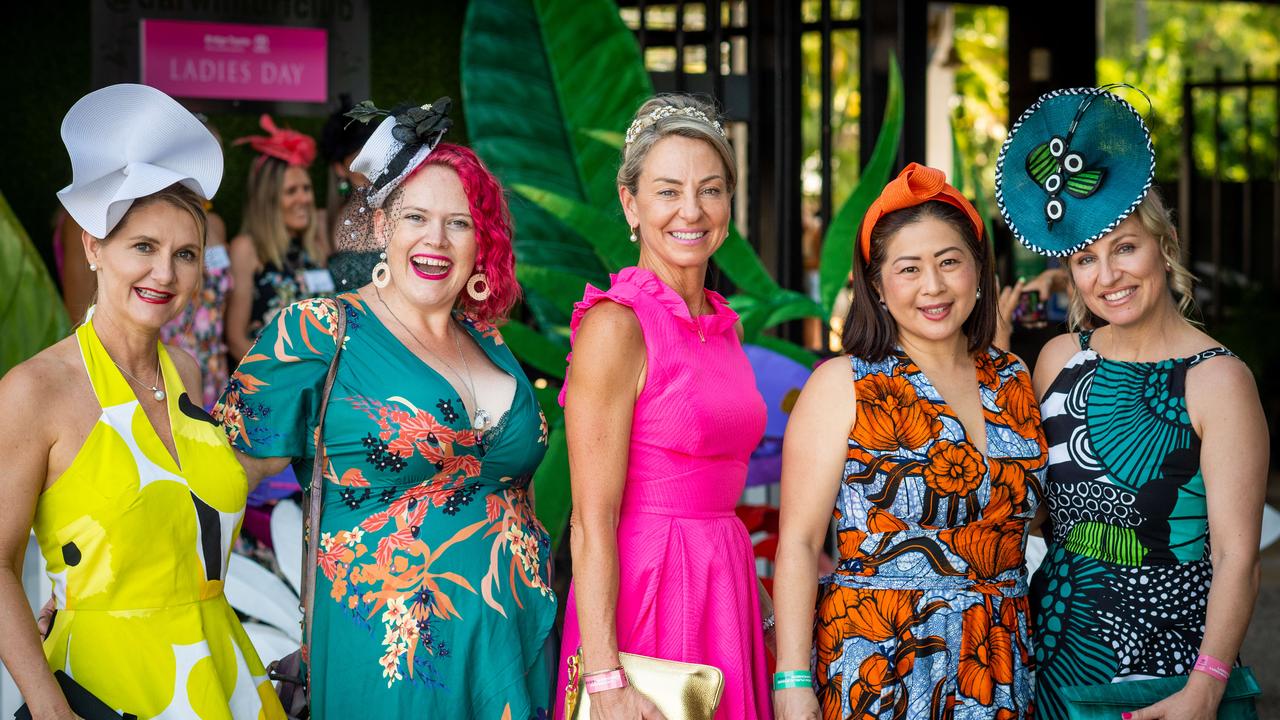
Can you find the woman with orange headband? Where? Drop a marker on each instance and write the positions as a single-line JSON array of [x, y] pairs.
[[927, 442]]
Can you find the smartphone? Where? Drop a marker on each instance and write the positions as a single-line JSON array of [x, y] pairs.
[[1030, 310]]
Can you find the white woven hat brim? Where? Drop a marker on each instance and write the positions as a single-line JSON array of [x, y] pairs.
[[128, 141]]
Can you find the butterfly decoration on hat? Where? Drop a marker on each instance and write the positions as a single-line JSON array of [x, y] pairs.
[[1057, 168]]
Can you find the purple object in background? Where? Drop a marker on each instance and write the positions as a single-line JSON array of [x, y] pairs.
[[779, 380]]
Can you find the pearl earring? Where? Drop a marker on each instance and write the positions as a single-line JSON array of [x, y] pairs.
[[979, 297], [93, 268], [633, 237]]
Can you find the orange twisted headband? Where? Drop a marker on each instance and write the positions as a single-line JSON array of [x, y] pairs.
[[915, 185]]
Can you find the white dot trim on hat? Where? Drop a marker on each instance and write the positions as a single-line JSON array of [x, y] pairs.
[[1004, 149]]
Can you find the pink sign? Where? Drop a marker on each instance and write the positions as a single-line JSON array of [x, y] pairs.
[[235, 62]]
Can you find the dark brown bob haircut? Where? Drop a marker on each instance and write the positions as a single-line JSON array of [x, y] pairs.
[[870, 332]]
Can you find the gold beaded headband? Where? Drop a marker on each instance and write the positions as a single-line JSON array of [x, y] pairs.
[[644, 122]]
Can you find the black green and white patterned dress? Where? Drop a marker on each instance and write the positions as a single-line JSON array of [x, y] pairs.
[[1122, 592]]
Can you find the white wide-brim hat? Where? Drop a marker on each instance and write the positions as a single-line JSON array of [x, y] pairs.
[[128, 141]]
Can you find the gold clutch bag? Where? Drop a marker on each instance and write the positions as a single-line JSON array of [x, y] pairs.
[[682, 691]]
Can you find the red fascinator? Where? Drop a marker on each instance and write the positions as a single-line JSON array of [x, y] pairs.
[[291, 146], [915, 185]]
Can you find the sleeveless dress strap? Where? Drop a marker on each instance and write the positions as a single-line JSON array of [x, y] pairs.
[[106, 378], [1209, 354], [1084, 337]]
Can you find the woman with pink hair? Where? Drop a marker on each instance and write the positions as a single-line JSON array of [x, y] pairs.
[[432, 575]]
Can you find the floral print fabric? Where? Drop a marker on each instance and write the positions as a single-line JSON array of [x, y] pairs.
[[198, 328], [926, 615], [276, 287], [433, 587]]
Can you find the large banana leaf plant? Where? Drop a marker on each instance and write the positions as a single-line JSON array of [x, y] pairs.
[[31, 312], [548, 87]]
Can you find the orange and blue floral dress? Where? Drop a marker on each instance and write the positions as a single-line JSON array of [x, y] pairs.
[[433, 587], [926, 615]]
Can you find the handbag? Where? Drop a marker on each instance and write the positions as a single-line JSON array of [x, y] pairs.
[[293, 683], [682, 691], [83, 703], [1109, 700]]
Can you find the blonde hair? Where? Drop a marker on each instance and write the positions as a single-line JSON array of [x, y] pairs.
[[179, 196], [262, 217], [1156, 219], [635, 152]]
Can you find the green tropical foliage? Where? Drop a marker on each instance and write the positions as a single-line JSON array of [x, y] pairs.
[[31, 313], [549, 124], [1152, 43]]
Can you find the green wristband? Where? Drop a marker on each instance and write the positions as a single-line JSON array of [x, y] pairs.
[[788, 679]]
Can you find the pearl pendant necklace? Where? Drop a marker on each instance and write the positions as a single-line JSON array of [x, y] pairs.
[[156, 392]]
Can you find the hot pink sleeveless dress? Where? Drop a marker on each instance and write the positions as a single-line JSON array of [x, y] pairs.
[[687, 578]]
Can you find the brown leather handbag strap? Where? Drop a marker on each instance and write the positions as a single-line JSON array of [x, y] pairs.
[[315, 506]]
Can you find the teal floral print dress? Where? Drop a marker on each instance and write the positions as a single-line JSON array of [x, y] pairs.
[[433, 588]]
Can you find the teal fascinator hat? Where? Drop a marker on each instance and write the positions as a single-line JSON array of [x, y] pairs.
[[1075, 165]]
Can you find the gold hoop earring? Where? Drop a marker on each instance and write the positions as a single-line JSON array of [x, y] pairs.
[[382, 273], [478, 287]]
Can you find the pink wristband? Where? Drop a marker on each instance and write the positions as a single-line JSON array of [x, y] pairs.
[[604, 680], [1213, 667]]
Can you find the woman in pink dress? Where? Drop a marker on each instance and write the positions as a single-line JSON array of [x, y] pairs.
[[662, 414]]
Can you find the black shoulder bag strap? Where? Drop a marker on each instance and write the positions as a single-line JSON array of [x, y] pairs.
[[315, 506]]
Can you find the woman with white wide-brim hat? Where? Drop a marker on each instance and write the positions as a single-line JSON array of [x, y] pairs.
[[133, 492]]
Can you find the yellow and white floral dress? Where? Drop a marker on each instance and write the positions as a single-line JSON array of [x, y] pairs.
[[137, 547]]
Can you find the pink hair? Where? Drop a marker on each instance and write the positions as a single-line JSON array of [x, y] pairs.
[[495, 255]]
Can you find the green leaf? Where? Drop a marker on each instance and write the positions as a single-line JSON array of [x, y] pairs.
[[600, 80], [787, 348], [614, 139], [535, 349], [840, 240], [561, 288], [980, 204], [785, 305], [738, 260], [31, 313], [601, 228], [551, 494], [536, 102], [365, 112]]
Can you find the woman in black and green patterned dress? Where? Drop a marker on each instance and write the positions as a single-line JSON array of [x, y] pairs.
[[1156, 437]]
